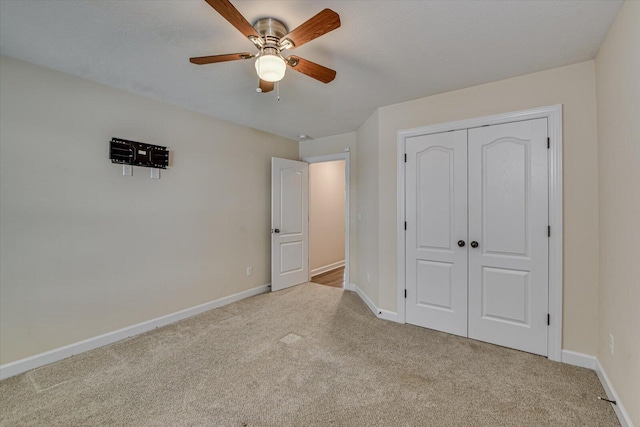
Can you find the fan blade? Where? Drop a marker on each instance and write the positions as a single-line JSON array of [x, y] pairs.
[[311, 69], [321, 24], [266, 86], [231, 14], [202, 60]]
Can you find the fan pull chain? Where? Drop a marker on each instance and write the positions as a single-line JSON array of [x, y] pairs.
[[278, 90]]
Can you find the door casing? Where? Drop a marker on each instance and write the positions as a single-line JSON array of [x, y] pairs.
[[553, 114]]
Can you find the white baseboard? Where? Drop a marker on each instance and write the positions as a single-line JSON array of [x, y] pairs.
[[350, 287], [327, 268], [379, 313], [621, 412], [579, 359], [389, 315], [19, 366], [591, 362], [365, 298]]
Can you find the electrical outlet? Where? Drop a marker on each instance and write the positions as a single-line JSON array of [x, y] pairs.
[[611, 342], [249, 271]]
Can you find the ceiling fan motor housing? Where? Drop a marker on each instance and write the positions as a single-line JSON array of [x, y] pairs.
[[271, 29], [271, 32]]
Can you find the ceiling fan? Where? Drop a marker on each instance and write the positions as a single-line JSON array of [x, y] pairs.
[[272, 38]]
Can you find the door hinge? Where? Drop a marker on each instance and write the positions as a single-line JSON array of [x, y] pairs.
[[405, 157], [405, 225], [405, 293], [548, 319], [548, 231], [548, 143]]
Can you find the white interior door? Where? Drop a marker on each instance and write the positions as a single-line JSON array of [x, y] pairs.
[[508, 220], [289, 223], [436, 214]]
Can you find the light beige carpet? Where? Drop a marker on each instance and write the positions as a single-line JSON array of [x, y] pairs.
[[308, 356]]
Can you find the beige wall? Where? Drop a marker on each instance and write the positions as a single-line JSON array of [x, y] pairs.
[[85, 250], [574, 87], [337, 144], [618, 90], [367, 216], [326, 214]]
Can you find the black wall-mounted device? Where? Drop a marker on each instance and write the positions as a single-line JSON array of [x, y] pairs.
[[135, 153]]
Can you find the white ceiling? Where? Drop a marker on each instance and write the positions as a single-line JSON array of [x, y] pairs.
[[385, 52]]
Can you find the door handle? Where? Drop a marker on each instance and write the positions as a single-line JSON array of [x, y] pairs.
[[276, 230], [474, 244], [461, 243]]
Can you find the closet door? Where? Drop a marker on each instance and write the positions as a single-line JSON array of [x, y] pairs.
[[436, 247], [508, 219]]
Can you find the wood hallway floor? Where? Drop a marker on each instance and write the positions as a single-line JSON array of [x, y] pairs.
[[334, 278]]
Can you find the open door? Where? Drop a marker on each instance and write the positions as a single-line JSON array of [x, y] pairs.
[[289, 223]]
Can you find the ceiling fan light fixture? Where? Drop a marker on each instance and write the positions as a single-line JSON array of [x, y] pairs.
[[270, 67]]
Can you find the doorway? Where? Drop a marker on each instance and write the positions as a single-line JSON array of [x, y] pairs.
[[328, 220]]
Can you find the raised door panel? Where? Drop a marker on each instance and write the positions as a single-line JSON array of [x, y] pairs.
[[505, 192], [291, 209], [505, 295], [291, 257], [436, 285], [434, 167]]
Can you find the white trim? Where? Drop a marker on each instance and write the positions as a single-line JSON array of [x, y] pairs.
[[621, 412], [591, 362], [365, 298], [327, 268], [554, 126], [553, 114], [19, 366], [379, 313], [388, 315], [350, 287], [400, 230], [579, 359], [346, 156]]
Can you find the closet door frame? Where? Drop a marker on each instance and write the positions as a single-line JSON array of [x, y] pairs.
[[553, 114]]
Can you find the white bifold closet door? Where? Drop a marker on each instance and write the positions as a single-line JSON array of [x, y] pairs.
[[476, 240]]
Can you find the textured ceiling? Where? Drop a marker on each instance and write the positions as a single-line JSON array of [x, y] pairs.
[[385, 52]]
